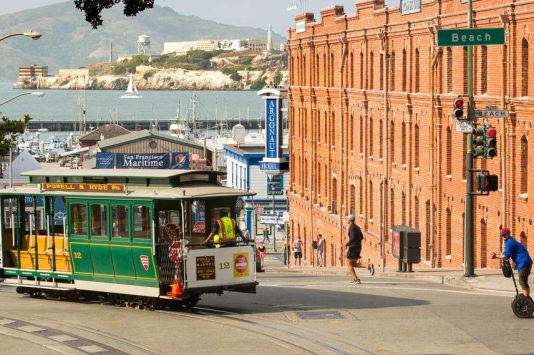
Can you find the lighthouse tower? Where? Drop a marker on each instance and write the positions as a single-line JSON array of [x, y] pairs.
[[269, 48]]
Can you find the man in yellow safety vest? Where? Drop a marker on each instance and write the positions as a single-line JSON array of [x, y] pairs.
[[224, 231]]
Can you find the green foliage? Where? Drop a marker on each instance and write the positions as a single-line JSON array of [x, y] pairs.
[[130, 65], [277, 78], [10, 130], [235, 76], [93, 8], [258, 84], [147, 75], [228, 70], [245, 60]]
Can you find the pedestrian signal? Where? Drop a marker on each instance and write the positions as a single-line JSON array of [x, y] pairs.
[[458, 108], [487, 182]]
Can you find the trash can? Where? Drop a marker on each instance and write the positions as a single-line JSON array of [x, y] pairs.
[[406, 246]]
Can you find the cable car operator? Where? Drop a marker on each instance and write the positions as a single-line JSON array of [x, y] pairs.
[[224, 231]]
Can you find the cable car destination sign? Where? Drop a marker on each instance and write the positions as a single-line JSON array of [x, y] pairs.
[[83, 187]]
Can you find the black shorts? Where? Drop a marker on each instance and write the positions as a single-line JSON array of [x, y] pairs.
[[354, 253], [523, 276], [298, 254]]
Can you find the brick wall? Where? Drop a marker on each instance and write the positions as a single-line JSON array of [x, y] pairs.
[[372, 133]]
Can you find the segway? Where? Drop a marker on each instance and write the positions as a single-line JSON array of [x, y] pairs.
[[523, 307]]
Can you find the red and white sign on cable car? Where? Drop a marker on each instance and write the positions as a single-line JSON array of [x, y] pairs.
[[144, 261]]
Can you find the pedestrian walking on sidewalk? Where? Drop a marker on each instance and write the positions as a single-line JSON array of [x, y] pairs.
[[519, 254], [297, 249], [320, 251], [354, 246], [262, 251], [286, 252], [266, 235]]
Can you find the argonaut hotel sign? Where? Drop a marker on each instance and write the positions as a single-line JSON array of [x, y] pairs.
[[273, 162]]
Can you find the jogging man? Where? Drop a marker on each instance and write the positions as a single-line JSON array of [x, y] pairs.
[[354, 246]]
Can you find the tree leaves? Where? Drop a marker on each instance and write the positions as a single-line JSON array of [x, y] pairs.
[[93, 8], [10, 130]]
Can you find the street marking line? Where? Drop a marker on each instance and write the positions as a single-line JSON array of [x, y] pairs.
[[30, 328], [62, 338]]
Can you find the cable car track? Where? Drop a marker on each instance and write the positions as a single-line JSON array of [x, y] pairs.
[[288, 334]]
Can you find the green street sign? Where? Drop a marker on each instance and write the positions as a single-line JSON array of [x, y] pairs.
[[470, 37]]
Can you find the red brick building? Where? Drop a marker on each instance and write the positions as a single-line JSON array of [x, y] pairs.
[[372, 134]]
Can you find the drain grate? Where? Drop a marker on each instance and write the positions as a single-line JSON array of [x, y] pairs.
[[320, 315]]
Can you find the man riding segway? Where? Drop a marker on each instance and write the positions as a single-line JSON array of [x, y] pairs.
[[522, 305]]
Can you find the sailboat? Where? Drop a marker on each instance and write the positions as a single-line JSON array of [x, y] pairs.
[[131, 91]]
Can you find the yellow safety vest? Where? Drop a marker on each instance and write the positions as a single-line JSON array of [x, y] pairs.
[[226, 229]]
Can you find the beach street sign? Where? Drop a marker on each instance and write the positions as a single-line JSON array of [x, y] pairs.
[[470, 37], [491, 113]]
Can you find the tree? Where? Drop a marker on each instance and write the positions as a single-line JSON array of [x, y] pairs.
[[93, 8], [10, 130]]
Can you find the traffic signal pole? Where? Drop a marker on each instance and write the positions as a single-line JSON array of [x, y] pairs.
[[469, 251]]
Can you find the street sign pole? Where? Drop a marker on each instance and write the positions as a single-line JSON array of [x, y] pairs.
[[469, 251]]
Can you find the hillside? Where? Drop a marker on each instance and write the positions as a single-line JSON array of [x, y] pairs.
[[70, 42]]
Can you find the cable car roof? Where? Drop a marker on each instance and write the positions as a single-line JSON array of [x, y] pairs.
[[118, 173], [191, 191]]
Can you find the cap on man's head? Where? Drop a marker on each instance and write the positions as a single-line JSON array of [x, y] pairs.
[[505, 231], [350, 217]]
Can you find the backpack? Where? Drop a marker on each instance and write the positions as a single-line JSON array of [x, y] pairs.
[[506, 269]]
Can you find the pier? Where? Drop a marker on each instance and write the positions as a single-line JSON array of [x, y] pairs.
[[75, 126]]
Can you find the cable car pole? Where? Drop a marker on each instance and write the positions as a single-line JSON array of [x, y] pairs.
[[469, 269]]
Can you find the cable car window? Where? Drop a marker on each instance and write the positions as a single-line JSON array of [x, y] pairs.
[[169, 217], [141, 217], [119, 218], [56, 179], [78, 217], [99, 220], [198, 209]]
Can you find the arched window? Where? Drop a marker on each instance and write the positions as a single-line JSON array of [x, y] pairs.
[[484, 70], [404, 70], [361, 70], [352, 71], [371, 200], [381, 139], [392, 146], [416, 213], [391, 208], [352, 199], [416, 146], [371, 71], [361, 134], [449, 152], [325, 74], [483, 244], [448, 232], [334, 196], [331, 74], [523, 239], [524, 165], [370, 137], [404, 143], [524, 67], [360, 181], [449, 69], [333, 131], [317, 67], [392, 72], [304, 77], [417, 71], [381, 84], [352, 133], [403, 206], [427, 230]]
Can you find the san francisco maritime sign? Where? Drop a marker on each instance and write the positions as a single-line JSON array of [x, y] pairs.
[[83, 187]]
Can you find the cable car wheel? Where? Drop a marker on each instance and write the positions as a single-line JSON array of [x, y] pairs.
[[191, 302], [523, 307]]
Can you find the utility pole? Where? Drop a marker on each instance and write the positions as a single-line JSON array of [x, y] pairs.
[[469, 250]]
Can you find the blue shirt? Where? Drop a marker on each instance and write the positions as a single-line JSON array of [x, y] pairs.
[[519, 254]]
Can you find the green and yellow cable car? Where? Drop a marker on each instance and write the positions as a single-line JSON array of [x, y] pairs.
[[131, 234]]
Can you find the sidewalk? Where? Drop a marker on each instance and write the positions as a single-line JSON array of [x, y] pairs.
[[486, 279]]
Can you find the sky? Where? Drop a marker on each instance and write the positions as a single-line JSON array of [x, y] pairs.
[[254, 13]]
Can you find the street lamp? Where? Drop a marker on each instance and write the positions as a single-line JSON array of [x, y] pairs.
[[34, 93], [31, 34]]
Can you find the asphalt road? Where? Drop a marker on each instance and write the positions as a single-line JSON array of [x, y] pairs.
[[291, 313]]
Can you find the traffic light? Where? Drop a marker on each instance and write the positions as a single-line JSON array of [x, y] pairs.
[[479, 139], [487, 182], [490, 141], [458, 108]]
